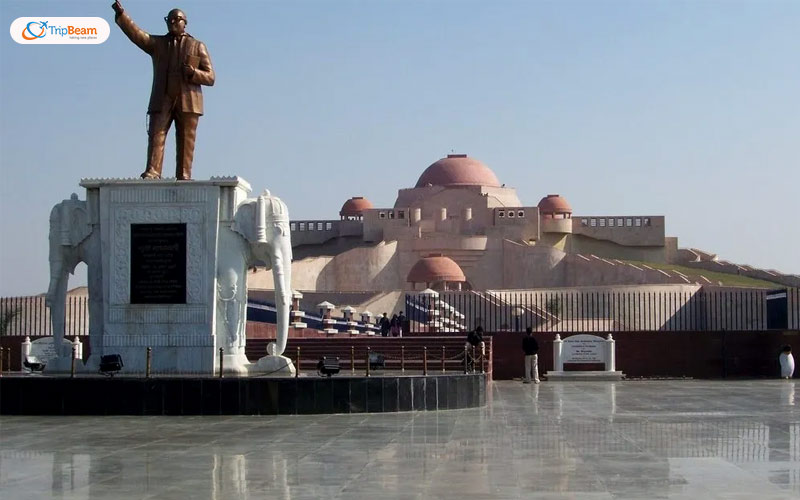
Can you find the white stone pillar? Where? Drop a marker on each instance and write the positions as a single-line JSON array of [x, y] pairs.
[[611, 363], [349, 318], [295, 314], [325, 309], [366, 318], [416, 215], [78, 348], [25, 350], [558, 365]]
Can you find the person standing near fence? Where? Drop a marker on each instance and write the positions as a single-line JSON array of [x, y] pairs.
[[531, 349], [402, 321], [475, 339], [385, 325]]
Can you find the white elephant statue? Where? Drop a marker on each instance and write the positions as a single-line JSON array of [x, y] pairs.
[[72, 240], [259, 235]]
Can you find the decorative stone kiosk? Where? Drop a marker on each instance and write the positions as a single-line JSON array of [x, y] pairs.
[[167, 263], [584, 349]]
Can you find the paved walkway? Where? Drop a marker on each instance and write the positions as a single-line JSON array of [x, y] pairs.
[[638, 439]]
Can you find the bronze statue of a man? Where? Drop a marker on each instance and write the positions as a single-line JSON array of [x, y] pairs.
[[180, 65]]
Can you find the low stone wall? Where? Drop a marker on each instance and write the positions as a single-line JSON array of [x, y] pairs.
[[42, 395], [716, 354]]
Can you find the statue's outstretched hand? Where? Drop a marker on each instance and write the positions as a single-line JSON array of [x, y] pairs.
[[118, 9]]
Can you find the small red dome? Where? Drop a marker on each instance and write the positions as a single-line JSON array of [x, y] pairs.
[[554, 204], [355, 206], [458, 170], [435, 268]]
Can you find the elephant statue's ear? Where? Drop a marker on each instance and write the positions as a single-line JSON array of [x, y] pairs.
[[69, 222], [79, 227], [244, 220]]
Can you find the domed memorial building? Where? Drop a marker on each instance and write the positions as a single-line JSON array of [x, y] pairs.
[[459, 227]]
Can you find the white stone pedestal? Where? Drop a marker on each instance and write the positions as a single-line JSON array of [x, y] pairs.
[[150, 228]]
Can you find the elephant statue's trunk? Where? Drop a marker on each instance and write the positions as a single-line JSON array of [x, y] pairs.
[[282, 276], [56, 301]]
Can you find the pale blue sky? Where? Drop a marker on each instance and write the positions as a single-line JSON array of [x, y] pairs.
[[689, 110]]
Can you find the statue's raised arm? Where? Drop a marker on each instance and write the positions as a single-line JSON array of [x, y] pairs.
[[140, 37]]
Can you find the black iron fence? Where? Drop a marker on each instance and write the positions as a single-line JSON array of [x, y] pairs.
[[572, 310]]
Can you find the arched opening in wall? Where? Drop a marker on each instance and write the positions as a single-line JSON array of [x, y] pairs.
[[79, 278]]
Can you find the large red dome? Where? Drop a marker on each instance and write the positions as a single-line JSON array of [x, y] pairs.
[[458, 170], [435, 268]]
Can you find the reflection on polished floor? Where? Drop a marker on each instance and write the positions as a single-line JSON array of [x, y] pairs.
[[636, 439]]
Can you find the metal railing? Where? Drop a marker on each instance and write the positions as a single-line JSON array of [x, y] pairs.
[[604, 311]]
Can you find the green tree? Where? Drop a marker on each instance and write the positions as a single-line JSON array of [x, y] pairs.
[[6, 318]]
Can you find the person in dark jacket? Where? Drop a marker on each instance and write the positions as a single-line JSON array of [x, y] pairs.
[[531, 349], [385, 325], [401, 319], [475, 337]]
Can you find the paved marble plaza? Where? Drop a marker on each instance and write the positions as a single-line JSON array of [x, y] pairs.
[[636, 439]]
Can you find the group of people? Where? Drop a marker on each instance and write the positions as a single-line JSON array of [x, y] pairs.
[[394, 326]]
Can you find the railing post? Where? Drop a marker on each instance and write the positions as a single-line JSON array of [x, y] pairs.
[[557, 364], [611, 363], [25, 351], [368, 350], [297, 368], [352, 359], [403, 358], [221, 361], [72, 367], [466, 360], [473, 359], [443, 359], [1, 361], [149, 362], [425, 361], [79, 345]]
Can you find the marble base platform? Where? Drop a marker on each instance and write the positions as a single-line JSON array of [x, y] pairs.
[[181, 395], [555, 376]]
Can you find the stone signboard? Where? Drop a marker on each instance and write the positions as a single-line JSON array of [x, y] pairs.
[[584, 349], [158, 263], [44, 349]]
